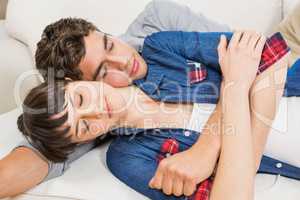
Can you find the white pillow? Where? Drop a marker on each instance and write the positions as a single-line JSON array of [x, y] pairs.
[[26, 19], [241, 14], [284, 137], [288, 6]]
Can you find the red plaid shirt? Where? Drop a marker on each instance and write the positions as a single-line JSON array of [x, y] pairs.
[[274, 49]]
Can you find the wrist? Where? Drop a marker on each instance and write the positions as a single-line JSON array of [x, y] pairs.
[[238, 86], [211, 143], [234, 90]]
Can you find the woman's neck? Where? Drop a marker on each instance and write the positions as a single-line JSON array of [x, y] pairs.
[[144, 112]]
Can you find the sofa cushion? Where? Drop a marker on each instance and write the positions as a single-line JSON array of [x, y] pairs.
[[89, 178], [114, 16], [15, 69], [3, 4], [290, 29]]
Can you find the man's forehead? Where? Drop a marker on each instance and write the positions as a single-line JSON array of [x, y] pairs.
[[94, 52]]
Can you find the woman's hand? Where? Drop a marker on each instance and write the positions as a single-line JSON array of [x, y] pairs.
[[240, 60]]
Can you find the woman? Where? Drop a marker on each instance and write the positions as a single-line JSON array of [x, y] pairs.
[[86, 110]]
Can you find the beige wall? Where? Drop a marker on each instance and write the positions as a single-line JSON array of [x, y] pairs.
[[3, 4]]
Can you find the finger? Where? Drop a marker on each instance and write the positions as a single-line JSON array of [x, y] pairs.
[[245, 38], [260, 45], [235, 39], [156, 181], [167, 183], [222, 46], [254, 40], [178, 186], [189, 187]]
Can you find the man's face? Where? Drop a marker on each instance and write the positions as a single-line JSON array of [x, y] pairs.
[[110, 60]]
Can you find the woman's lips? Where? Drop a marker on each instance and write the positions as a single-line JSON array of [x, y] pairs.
[[108, 108], [135, 68]]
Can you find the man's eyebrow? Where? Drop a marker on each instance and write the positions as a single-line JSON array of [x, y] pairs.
[[105, 41], [97, 71], [101, 64]]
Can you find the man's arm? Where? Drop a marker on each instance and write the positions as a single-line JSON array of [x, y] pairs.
[[158, 16], [21, 170]]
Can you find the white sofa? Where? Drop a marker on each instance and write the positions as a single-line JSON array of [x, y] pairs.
[[88, 178]]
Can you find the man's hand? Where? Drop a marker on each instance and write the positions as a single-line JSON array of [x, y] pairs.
[[179, 174]]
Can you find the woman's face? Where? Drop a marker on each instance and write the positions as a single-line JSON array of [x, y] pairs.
[[93, 108]]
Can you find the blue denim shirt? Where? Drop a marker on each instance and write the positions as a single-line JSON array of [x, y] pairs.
[[167, 53], [292, 86]]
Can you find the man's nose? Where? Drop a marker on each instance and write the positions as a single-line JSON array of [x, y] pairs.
[[118, 62]]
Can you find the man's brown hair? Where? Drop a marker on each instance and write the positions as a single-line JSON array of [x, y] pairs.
[[61, 48]]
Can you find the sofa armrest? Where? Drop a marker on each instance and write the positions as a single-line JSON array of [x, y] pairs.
[[3, 4]]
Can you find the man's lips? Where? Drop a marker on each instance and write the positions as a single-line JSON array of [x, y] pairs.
[[135, 68], [108, 108]]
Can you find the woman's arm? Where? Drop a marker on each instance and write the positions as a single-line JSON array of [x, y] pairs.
[[20, 171], [235, 178]]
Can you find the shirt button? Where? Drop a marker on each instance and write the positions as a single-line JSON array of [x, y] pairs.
[[187, 133], [279, 165]]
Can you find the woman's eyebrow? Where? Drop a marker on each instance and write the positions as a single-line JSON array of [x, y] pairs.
[[87, 128], [86, 125], [76, 129]]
